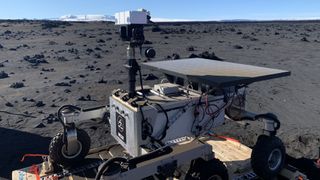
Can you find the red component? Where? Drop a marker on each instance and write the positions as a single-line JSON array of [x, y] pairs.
[[32, 155]]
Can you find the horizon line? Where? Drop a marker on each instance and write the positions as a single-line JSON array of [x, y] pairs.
[[160, 19]]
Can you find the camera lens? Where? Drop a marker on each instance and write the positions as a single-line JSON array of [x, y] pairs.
[[150, 53]]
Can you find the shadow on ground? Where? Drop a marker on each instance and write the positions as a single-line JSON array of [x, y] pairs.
[[14, 144]]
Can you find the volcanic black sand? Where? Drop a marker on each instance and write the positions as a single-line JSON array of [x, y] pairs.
[[44, 65]]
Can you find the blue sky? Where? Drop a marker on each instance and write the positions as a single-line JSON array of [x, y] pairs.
[[173, 9]]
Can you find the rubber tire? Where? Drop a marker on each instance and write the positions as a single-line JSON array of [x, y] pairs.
[[57, 143], [203, 170], [260, 154]]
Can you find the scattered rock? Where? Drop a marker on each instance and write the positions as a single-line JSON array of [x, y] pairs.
[[101, 41], [249, 37], [97, 55], [53, 105], [94, 128], [190, 48], [89, 51], [7, 32], [69, 43], [51, 118], [175, 56], [114, 81], [67, 91], [237, 47], [156, 29], [17, 85], [82, 98], [40, 104], [24, 99], [87, 98], [91, 67], [304, 39], [62, 58], [147, 42], [3, 75], [206, 55], [62, 84], [102, 81], [150, 77], [40, 125], [47, 70], [35, 60], [182, 30], [52, 43], [54, 24], [8, 104], [97, 49]]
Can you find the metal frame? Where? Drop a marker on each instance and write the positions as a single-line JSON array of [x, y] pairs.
[[181, 156]]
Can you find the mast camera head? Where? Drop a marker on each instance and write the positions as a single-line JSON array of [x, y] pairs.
[[132, 23]]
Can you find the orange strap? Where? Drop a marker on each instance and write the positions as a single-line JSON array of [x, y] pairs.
[[35, 170], [318, 163], [226, 138], [32, 155]]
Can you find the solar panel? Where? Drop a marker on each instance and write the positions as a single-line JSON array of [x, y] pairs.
[[215, 73]]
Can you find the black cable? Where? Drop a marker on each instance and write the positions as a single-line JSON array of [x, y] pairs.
[[149, 133], [106, 164], [199, 104], [164, 132], [145, 122], [241, 102]]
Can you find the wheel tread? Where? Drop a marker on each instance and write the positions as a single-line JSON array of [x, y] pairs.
[[259, 158], [57, 143]]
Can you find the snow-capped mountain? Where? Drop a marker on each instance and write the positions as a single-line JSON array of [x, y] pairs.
[[89, 17]]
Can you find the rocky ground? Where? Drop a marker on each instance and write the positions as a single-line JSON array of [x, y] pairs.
[[44, 65]]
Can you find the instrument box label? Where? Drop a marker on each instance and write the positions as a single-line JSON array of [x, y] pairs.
[[121, 127]]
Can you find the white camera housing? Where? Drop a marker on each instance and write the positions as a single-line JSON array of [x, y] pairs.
[[132, 17]]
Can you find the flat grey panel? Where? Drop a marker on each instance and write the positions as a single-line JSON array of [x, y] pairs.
[[215, 73]]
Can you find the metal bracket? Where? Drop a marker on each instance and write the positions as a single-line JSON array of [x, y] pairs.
[[167, 170], [72, 140]]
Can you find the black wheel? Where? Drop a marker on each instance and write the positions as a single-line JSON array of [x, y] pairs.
[[207, 170], [268, 156], [58, 153]]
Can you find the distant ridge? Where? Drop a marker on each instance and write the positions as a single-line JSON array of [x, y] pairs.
[[109, 18], [155, 19]]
